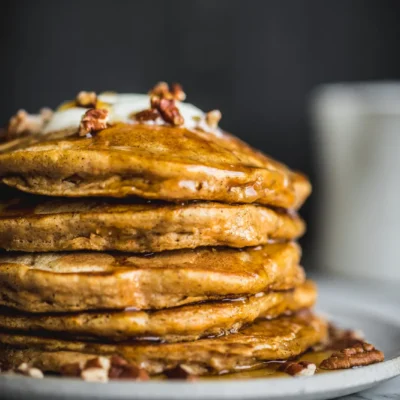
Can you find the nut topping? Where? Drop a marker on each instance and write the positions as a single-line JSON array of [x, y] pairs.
[[95, 375], [146, 115], [23, 123], [168, 110], [177, 92], [212, 118], [26, 370], [181, 372], [120, 369], [298, 368], [162, 101], [163, 90], [86, 99], [72, 369], [357, 355], [93, 120]]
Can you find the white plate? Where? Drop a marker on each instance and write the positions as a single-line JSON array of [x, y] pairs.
[[366, 306]]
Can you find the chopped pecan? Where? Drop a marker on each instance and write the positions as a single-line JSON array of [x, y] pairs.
[[298, 368], [168, 110], [95, 375], [120, 369], [213, 117], [163, 91], [177, 92], [180, 372], [46, 113], [145, 115], [162, 101], [23, 123], [86, 99], [71, 369], [98, 362], [96, 370], [27, 370], [93, 120], [357, 355]]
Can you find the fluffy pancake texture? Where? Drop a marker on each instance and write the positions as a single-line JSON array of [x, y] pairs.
[[154, 162], [40, 224], [56, 282], [263, 340], [189, 322]]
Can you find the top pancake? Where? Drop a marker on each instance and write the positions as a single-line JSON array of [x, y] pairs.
[[154, 162]]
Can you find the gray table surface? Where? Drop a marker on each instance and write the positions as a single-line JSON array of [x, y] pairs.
[[388, 390]]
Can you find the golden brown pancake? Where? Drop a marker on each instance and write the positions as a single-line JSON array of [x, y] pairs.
[[154, 162], [184, 323], [264, 340], [42, 224], [56, 282]]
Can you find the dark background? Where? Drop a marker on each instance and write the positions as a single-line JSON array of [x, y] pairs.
[[256, 61]]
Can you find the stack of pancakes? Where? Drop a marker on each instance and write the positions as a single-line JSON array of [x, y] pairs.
[[165, 243]]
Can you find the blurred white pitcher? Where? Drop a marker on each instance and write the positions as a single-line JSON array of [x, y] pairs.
[[357, 130]]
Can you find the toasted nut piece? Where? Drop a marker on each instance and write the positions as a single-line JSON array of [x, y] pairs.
[[120, 369], [86, 99], [181, 372], [161, 89], [93, 120], [359, 354], [23, 123], [25, 369], [298, 368], [177, 92], [95, 375], [145, 115], [169, 112], [213, 117], [72, 369], [46, 113], [98, 362]]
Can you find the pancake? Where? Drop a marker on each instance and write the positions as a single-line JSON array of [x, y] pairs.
[[154, 162], [185, 323], [264, 340], [37, 224], [56, 282]]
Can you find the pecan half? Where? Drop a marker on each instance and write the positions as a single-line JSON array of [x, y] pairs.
[[339, 339], [86, 99], [357, 355], [213, 117], [298, 368], [93, 120]]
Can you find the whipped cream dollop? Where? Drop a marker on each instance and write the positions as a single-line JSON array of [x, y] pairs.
[[121, 106]]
